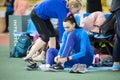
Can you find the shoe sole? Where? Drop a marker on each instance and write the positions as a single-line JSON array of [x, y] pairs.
[[31, 69]]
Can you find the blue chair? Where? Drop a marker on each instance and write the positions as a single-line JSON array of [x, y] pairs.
[[107, 15], [86, 14]]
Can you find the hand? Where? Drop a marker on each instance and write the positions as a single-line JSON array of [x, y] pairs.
[[57, 59], [62, 60]]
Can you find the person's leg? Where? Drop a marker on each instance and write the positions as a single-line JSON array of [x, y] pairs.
[[72, 43], [50, 55], [41, 56], [42, 29], [7, 20], [39, 43], [116, 48], [88, 59], [52, 40]]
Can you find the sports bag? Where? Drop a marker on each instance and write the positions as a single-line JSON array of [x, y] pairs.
[[20, 50]]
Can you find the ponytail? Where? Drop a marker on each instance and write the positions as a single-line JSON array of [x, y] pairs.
[[71, 18]]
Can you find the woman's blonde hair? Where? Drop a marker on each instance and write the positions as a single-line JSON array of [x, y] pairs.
[[74, 3]]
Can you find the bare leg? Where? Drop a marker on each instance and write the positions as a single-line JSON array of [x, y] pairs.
[[39, 43], [52, 42], [40, 57]]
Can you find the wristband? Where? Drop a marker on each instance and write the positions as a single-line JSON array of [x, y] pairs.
[[68, 59]]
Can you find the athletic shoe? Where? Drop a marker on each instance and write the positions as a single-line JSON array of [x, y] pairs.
[[78, 68], [57, 67], [39, 58], [116, 67], [82, 68], [31, 67], [74, 68], [44, 67], [28, 59]]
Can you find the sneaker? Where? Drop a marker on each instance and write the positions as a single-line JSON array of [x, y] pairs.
[[74, 68], [116, 67], [39, 58], [44, 67], [57, 67], [28, 59], [31, 67], [81, 68], [78, 68]]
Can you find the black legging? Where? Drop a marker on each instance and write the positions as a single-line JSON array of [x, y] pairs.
[[44, 27]]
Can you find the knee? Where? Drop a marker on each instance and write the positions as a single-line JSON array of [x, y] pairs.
[[44, 37], [50, 50]]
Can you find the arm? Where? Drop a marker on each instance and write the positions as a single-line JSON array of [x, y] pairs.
[[83, 44], [57, 58], [64, 38]]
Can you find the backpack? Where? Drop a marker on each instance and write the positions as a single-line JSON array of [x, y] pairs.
[[22, 45]]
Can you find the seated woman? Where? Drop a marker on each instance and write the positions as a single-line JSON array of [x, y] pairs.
[[75, 47]]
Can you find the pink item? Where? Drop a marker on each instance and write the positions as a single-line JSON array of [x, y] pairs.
[[93, 22], [35, 37], [68, 14]]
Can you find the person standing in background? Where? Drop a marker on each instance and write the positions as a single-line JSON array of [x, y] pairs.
[[93, 5], [9, 11], [115, 9], [20, 7]]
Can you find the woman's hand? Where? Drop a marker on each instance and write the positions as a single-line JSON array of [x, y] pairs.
[[57, 59], [62, 60]]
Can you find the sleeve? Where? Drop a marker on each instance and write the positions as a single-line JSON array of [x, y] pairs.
[[61, 29], [83, 43], [64, 38]]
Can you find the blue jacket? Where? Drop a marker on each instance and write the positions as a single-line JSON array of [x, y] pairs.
[[85, 46], [53, 9]]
